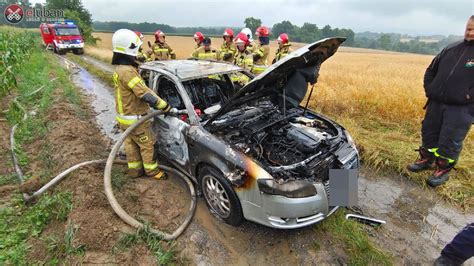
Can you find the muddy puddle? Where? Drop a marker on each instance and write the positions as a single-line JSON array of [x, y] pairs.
[[418, 225], [102, 100]]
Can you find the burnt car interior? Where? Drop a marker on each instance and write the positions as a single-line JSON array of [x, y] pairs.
[[203, 92], [209, 91]]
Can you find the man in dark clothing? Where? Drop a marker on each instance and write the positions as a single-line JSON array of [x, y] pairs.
[[449, 87], [459, 250]]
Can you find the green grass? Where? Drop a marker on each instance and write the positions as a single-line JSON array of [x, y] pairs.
[[119, 177], [63, 248], [354, 240], [152, 241], [20, 222]]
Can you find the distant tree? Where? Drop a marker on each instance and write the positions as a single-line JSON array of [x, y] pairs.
[[72, 5], [284, 27], [327, 31], [385, 41], [252, 23], [73, 9]]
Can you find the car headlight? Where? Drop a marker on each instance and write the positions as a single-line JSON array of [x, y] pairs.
[[290, 189]]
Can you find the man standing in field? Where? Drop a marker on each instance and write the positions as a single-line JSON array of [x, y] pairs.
[[133, 100], [449, 87], [228, 50], [261, 52], [206, 51], [161, 50], [243, 58], [284, 47]]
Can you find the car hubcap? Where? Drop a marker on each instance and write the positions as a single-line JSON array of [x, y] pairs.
[[216, 196]]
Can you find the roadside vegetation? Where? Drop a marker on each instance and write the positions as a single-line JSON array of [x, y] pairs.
[[354, 239], [46, 223], [20, 222]]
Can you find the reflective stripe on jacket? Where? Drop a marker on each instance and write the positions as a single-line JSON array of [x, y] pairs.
[[132, 97], [162, 51]]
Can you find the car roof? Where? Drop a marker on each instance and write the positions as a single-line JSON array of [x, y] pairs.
[[190, 69]]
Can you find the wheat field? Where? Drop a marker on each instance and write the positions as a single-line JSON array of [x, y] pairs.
[[377, 95]]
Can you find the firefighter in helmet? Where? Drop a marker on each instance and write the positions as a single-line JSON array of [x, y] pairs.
[[262, 50], [228, 50], [243, 58], [143, 56], [161, 50], [252, 45], [198, 38], [206, 51], [284, 47], [133, 100]]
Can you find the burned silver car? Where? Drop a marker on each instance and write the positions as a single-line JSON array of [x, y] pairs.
[[253, 151]]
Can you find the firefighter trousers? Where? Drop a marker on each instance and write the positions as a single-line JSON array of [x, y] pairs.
[[139, 150], [461, 248], [445, 127]]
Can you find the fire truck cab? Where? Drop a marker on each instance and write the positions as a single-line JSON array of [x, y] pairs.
[[62, 37]]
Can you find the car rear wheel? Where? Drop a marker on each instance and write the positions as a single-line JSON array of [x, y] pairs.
[[220, 196]]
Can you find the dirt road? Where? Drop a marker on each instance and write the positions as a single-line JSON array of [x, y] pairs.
[[418, 225]]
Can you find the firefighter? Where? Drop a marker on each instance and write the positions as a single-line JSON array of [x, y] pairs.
[[133, 100], [206, 52], [262, 50], [252, 45], [143, 56], [228, 50], [198, 38], [284, 47], [161, 50], [243, 58], [448, 83]]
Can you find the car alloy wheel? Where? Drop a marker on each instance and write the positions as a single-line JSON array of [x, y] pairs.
[[216, 196]]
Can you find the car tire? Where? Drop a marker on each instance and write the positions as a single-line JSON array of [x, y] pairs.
[[220, 197], [78, 51]]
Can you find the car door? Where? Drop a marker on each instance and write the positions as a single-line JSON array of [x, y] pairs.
[[170, 131]]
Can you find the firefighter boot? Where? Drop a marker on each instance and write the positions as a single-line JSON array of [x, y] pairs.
[[441, 174], [161, 175], [425, 161]]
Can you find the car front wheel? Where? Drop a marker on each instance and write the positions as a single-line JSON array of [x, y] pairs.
[[220, 196]]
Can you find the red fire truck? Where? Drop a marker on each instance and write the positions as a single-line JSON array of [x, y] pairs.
[[62, 37]]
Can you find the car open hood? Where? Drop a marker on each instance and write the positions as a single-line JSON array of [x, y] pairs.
[[287, 80]]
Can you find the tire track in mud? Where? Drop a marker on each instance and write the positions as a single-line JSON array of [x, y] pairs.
[[419, 223]]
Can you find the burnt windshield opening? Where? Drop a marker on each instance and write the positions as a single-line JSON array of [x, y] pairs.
[[208, 94]]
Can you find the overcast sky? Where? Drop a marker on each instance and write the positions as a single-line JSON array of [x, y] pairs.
[[416, 17]]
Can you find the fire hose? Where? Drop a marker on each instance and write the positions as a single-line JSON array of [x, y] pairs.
[[107, 172]]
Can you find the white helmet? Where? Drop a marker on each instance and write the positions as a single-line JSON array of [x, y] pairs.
[[247, 32], [126, 42]]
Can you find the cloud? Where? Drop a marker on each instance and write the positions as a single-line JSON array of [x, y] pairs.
[[404, 16]]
